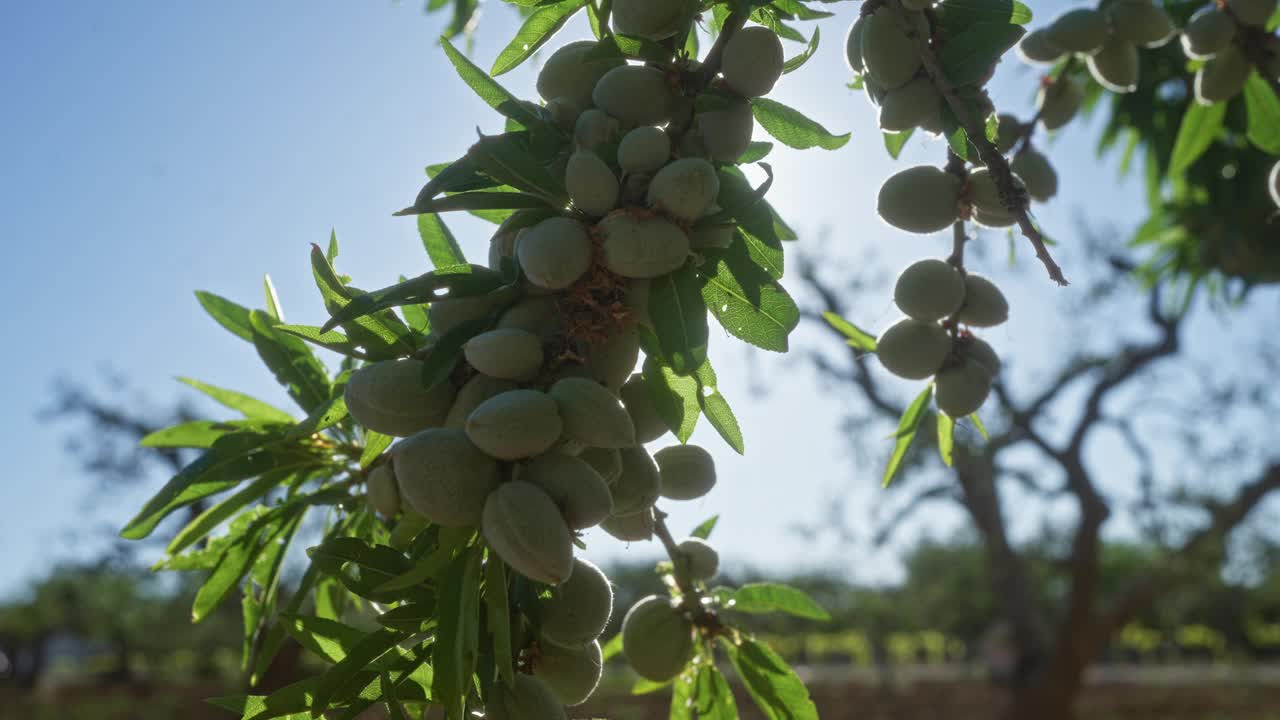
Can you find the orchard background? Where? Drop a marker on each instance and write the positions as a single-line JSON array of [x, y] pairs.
[[156, 150]]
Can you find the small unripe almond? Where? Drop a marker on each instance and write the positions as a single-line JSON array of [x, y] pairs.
[[537, 314], [1037, 48], [577, 610], [515, 424], [1222, 77], [684, 189], [635, 95], [929, 290], [594, 128], [554, 253], [909, 106], [1037, 174], [635, 527], [1007, 133], [505, 353], [1141, 23], [890, 56], [591, 184], [644, 150], [611, 362], [974, 349], [984, 304], [725, 130], [573, 71], [1059, 102], [644, 414], [470, 395], [1208, 32], [524, 527], [1082, 30], [657, 639], [1115, 65], [984, 194], [389, 397], [642, 247], [752, 61], [572, 674], [605, 461], [921, 199], [960, 391], [444, 477], [686, 472], [913, 349], [853, 45], [639, 484], [384, 496], [592, 415], [699, 559], [574, 486], [651, 19]]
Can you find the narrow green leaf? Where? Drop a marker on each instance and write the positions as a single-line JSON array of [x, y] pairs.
[[330, 685], [458, 639], [207, 521], [441, 246], [756, 151], [968, 57], [202, 434], [374, 444], [1199, 128], [272, 299], [497, 605], [410, 617], [712, 696], [248, 406], [425, 288], [291, 361], [232, 459], [749, 303], [946, 437], [977, 424], [494, 95], [473, 201], [907, 426], [774, 686], [233, 317], [797, 62], [716, 408], [381, 334], [1264, 114], [762, 598], [612, 648], [858, 338], [509, 159], [894, 142], [793, 128], [235, 563], [705, 527], [329, 639], [679, 318], [322, 418], [674, 396], [536, 31], [327, 339]]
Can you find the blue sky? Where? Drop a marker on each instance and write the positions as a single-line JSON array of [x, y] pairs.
[[155, 148]]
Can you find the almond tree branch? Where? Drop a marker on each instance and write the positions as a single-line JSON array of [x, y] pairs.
[[1013, 199], [1180, 568]]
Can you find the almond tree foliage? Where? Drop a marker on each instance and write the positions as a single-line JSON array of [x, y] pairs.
[[624, 222]]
